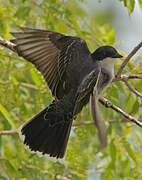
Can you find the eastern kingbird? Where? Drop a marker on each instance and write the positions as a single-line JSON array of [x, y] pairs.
[[72, 73]]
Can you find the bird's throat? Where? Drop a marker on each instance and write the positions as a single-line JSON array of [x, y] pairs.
[[108, 65]]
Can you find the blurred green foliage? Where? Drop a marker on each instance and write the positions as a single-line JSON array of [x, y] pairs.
[[23, 93], [130, 4]]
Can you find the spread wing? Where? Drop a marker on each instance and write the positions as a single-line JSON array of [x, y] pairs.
[[89, 83], [50, 52]]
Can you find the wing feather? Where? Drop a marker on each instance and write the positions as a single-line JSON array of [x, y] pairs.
[[86, 89], [50, 52]]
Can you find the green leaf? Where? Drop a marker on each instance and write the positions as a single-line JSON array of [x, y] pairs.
[[135, 107], [14, 81], [10, 168], [2, 177], [6, 115], [140, 3], [23, 1], [113, 153], [129, 149], [23, 12], [130, 4], [36, 77], [111, 36]]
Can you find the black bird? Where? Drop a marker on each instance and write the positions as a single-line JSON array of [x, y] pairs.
[[72, 73]]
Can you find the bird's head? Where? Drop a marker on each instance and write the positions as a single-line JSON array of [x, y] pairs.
[[104, 52]]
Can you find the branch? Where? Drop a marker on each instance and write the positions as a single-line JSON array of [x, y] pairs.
[[22, 84], [127, 77], [28, 85], [134, 76], [8, 132], [132, 53], [80, 123], [132, 89], [8, 44], [108, 104]]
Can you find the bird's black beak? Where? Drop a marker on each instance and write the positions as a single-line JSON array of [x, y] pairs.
[[117, 55]]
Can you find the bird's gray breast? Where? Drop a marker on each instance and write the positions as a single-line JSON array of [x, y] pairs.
[[104, 79]]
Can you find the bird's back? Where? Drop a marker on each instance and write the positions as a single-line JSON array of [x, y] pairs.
[[79, 68]]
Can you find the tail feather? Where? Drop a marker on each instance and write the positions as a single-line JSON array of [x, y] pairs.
[[53, 147], [64, 143], [32, 131], [48, 132]]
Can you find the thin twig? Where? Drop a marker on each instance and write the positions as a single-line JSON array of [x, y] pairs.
[[132, 89], [7, 44], [108, 104], [10, 132], [127, 77], [132, 53], [95, 171], [22, 84], [83, 123], [4, 82], [134, 76], [28, 85]]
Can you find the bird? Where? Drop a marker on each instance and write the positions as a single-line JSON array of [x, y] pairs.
[[73, 75]]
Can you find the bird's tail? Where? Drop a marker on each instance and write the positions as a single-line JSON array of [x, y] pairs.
[[48, 132]]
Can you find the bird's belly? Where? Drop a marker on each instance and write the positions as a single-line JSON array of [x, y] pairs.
[[104, 80]]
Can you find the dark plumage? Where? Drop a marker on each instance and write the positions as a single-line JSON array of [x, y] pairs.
[[71, 72]]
